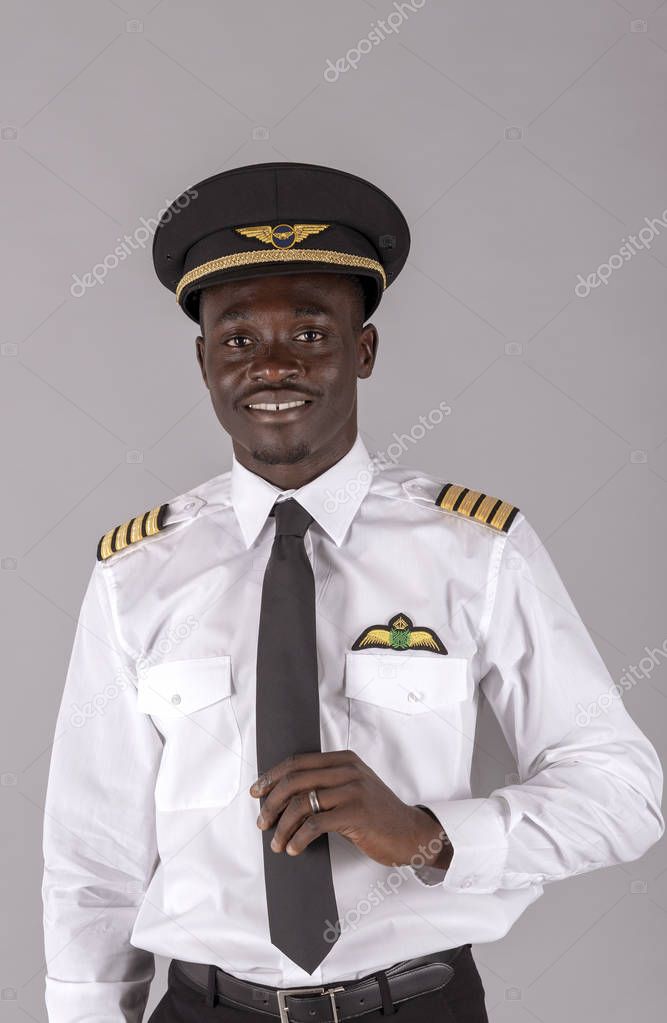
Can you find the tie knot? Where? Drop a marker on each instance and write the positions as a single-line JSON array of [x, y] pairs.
[[291, 518]]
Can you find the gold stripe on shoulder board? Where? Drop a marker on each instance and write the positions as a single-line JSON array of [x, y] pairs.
[[127, 533], [479, 507]]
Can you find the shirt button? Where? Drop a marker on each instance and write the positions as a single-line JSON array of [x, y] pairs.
[[415, 697], [468, 881], [189, 506], [176, 698]]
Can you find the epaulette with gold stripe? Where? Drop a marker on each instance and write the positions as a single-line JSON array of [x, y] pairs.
[[479, 507], [118, 539]]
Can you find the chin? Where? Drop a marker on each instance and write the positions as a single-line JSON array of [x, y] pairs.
[[280, 454]]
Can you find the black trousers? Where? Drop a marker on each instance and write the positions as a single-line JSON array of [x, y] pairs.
[[460, 1001]]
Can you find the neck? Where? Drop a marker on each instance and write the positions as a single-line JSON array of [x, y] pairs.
[[292, 475]]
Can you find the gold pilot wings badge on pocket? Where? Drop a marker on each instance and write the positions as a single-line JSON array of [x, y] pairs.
[[400, 634]]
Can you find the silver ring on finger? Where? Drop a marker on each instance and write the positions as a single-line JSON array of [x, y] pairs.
[[314, 801]]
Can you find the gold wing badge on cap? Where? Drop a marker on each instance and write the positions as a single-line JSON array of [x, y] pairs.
[[282, 236], [479, 507], [400, 635]]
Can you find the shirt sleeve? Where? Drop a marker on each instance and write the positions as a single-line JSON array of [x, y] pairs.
[[99, 834], [590, 782]]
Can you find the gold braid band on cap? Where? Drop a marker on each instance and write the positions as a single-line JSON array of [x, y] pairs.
[[279, 256], [141, 526], [475, 505]]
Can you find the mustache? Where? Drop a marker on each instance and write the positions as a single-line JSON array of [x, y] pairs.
[[264, 390]]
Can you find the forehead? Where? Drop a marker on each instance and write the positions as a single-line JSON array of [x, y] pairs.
[[317, 289]]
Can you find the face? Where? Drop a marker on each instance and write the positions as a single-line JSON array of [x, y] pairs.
[[278, 340]]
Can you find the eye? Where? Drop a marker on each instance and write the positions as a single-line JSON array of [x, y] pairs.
[[311, 331], [236, 337]]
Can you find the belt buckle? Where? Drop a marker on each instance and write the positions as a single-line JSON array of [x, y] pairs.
[[282, 994]]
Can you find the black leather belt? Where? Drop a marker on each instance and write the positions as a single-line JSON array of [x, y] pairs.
[[331, 1003]]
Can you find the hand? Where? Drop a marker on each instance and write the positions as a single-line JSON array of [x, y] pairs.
[[354, 802]]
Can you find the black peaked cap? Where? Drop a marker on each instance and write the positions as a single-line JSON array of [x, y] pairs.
[[279, 218]]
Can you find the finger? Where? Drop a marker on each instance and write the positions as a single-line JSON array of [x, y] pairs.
[[316, 824], [299, 808], [294, 783], [300, 761], [292, 817]]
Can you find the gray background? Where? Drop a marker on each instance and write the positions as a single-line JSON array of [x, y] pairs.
[[524, 141]]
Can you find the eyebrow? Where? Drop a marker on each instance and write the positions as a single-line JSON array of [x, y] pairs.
[[311, 310], [231, 314], [243, 314]]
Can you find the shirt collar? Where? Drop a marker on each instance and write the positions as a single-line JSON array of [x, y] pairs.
[[332, 498]]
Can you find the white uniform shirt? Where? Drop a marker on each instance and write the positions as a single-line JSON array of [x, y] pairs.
[[150, 840]]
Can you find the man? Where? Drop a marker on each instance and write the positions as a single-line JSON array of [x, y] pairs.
[[262, 760]]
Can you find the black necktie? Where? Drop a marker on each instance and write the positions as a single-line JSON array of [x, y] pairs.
[[299, 889]]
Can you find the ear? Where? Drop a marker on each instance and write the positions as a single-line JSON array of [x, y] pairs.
[[200, 345], [367, 346]]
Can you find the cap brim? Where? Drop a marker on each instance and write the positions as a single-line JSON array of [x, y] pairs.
[[191, 295]]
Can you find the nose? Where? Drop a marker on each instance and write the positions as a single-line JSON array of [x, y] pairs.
[[275, 364]]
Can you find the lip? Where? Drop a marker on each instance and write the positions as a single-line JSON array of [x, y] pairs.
[[276, 398], [282, 415]]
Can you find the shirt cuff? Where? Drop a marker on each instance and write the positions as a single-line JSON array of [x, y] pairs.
[[476, 828]]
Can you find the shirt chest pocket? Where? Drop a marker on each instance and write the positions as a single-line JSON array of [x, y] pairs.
[[190, 702], [407, 717]]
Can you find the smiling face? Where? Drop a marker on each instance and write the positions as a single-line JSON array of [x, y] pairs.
[[280, 339]]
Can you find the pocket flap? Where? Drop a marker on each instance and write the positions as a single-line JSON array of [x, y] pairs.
[[175, 688], [411, 683]]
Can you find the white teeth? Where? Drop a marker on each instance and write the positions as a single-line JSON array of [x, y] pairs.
[[278, 407]]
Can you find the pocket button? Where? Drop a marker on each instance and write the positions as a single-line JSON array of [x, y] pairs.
[[190, 702]]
